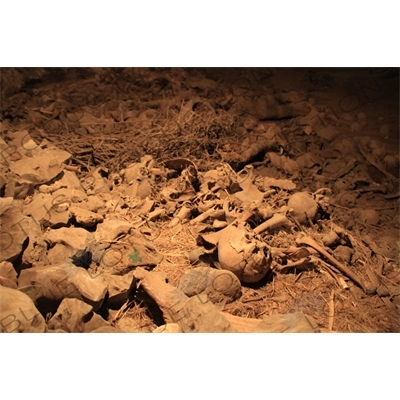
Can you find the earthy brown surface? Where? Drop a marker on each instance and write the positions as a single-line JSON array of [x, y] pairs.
[[191, 121]]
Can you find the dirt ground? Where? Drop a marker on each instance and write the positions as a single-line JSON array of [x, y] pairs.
[[134, 112]]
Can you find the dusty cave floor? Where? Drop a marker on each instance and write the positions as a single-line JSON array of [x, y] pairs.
[[369, 95]]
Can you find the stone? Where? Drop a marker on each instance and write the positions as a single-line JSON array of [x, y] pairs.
[[71, 190], [168, 328], [130, 325], [368, 216], [319, 124], [110, 229], [84, 217], [75, 316], [330, 238], [71, 181], [5, 204], [75, 238], [199, 314], [93, 203], [69, 196], [42, 167], [60, 253], [9, 275], [288, 323], [133, 171], [98, 181], [135, 251], [6, 151], [6, 282], [22, 142], [51, 284], [3, 180], [7, 270], [343, 254], [108, 329], [36, 249], [118, 288], [13, 231], [216, 283], [18, 313], [18, 188], [46, 211]]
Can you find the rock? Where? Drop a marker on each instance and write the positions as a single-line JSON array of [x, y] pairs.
[[142, 188], [93, 253], [130, 325], [51, 284], [217, 284], [143, 248], [93, 203], [288, 323], [59, 253], [71, 189], [18, 313], [36, 248], [266, 107], [138, 170], [14, 79], [284, 163], [4, 147], [42, 167], [22, 143], [388, 245], [343, 254], [198, 314], [136, 251], [8, 275], [3, 180], [7, 271], [118, 288], [382, 291], [110, 229], [108, 329], [71, 181], [330, 238], [396, 300], [5, 204], [6, 282], [98, 181], [75, 238], [18, 188], [69, 196], [195, 314], [13, 231], [303, 206], [168, 328], [46, 210], [75, 316], [5, 151], [318, 121], [369, 217], [84, 217]]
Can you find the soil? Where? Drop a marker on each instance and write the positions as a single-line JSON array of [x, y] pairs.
[[134, 112]]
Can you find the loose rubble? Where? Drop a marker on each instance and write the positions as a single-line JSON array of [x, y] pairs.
[[262, 197]]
